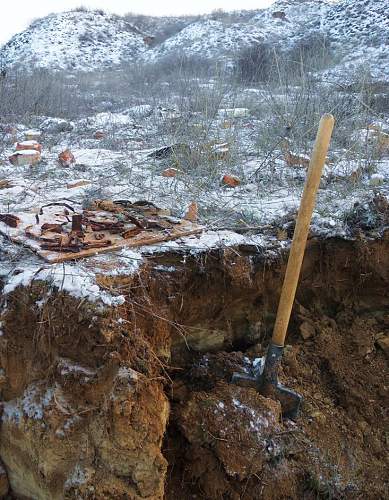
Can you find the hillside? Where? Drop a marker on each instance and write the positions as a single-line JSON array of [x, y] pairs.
[[80, 40], [356, 30]]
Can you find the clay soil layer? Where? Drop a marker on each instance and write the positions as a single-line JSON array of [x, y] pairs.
[[136, 401]]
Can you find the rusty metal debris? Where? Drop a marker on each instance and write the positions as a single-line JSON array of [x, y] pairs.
[[10, 220], [96, 226], [64, 232]]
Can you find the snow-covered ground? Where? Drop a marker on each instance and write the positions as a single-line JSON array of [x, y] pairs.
[[265, 201]]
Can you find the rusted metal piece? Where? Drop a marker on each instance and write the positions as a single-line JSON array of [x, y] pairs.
[[130, 232], [98, 224], [73, 245], [77, 224], [10, 220], [54, 228]]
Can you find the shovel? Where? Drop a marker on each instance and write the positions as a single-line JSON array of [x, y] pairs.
[[266, 381]]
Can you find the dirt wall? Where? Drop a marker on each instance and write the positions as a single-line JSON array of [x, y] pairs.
[[137, 402]]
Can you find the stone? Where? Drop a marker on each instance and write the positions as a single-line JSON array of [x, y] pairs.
[[66, 158], [170, 172], [5, 184], [25, 157], [99, 135], [57, 125], [28, 145], [307, 330], [32, 135], [230, 180]]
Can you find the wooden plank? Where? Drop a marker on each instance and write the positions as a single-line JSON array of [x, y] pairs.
[[144, 238], [28, 233]]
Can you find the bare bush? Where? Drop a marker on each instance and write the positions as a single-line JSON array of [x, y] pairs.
[[255, 63]]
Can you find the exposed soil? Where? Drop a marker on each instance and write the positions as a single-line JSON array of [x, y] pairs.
[[137, 401]]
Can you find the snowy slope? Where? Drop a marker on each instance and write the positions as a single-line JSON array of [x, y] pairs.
[[357, 29], [208, 38], [75, 40], [361, 29]]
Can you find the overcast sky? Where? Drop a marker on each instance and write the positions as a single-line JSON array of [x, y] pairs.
[[17, 14]]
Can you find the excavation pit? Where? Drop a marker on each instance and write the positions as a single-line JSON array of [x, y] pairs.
[[132, 398]]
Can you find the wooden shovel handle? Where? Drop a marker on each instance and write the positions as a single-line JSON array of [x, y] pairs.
[[301, 231]]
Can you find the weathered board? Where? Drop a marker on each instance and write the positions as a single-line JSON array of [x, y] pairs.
[[28, 230], [141, 239]]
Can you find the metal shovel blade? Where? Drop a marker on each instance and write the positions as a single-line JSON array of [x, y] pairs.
[[266, 383]]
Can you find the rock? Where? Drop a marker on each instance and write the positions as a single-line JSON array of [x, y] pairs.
[[32, 135], [4, 484], [10, 220], [307, 330], [383, 343], [230, 180], [25, 157], [170, 172], [66, 158], [192, 212], [57, 125], [28, 145], [99, 135]]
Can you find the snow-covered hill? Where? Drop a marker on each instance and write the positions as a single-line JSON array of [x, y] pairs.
[[357, 29], [80, 39], [208, 38]]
